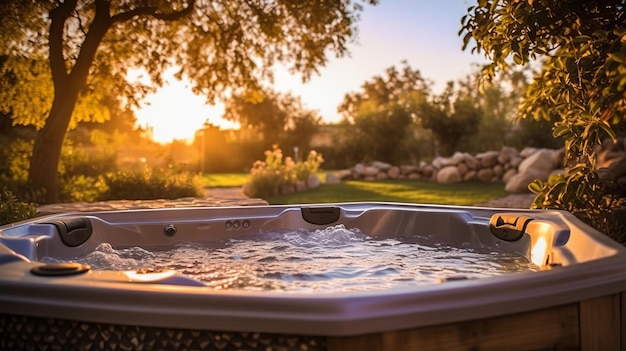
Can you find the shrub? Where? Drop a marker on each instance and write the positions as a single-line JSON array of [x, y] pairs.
[[82, 188], [267, 177], [150, 184], [12, 210]]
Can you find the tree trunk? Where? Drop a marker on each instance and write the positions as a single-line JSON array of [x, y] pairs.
[[43, 173]]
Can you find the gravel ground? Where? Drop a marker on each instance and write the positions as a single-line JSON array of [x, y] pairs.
[[511, 201]]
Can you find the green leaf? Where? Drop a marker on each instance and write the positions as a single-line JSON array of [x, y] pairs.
[[608, 130], [536, 187], [560, 131]]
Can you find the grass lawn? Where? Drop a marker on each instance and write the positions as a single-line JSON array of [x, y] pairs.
[[407, 191], [397, 191], [224, 180]]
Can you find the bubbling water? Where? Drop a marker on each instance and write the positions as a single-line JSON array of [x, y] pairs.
[[335, 259]]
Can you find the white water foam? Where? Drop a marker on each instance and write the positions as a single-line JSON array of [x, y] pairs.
[[335, 259]]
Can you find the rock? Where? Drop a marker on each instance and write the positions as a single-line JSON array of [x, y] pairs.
[[463, 168], [518, 184], [488, 159], [383, 166], [313, 181], [343, 175], [448, 175], [558, 157], [358, 169], [508, 175], [527, 152], [498, 170], [332, 178], [437, 162], [541, 161], [485, 175], [516, 161], [506, 154], [370, 171], [382, 176], [470, 175], [457, 158], [471, 162], [428, 171], [393, 172], [408, 169]]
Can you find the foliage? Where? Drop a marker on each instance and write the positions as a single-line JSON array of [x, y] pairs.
[[81, 188], [303, 169], [280, 118], [407, 191], [14, 157], [149, 184], [450, 118], [581, 85], [12, 210], [267, 177], [90, 45], [224, 180], [590, 205], [378, 120], [87, 161]]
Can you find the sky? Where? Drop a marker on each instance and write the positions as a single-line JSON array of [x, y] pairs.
[[422, 32]]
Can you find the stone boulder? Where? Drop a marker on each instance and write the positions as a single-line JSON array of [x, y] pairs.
[[488, 159], [370, 171], [333, 178], [485, 175], [393, 172], [313, 181], [383, 166], [540, 161], [518, 184], [448, 175]]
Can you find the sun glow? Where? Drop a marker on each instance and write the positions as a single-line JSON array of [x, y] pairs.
[[174, 112]]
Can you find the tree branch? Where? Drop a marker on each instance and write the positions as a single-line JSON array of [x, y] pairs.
[[153, 12], [58, 16]]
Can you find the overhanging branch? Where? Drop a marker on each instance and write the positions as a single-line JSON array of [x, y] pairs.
[[153, 11]]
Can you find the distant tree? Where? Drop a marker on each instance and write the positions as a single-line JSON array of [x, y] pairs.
[[379, 118], [451, 117], [498, 104], [90, 45], [581, 85], [279, 117]]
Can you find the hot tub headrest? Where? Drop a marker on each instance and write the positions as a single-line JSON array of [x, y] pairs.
[[508, 227], [321, 215], [74, 231]]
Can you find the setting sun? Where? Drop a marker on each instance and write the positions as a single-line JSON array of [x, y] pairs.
[[176, 113]]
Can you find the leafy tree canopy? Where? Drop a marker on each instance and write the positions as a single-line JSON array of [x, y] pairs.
[[380, 115], [223, 47], [581, 85], [399, 86], [452, 117], [280, 118]]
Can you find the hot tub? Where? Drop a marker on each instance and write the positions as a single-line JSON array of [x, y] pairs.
[[574, 299]]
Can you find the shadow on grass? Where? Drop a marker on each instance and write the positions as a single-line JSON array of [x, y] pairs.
[[396, 191]]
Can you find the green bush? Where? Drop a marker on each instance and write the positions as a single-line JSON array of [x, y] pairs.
[[267, 177], [81, 188], [149, 184], [12, 210]]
